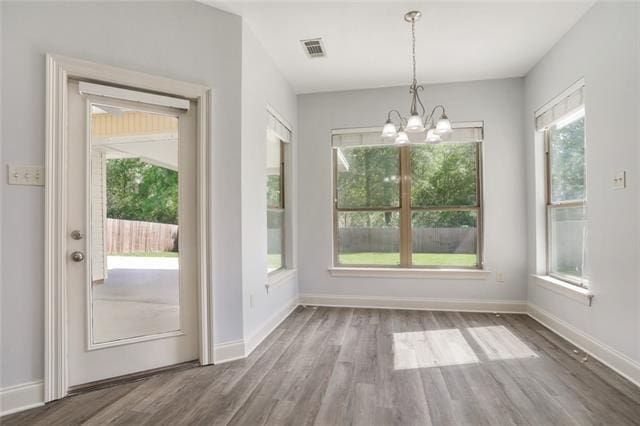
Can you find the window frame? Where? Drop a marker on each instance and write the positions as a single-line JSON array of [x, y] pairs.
[[406, 210], [280, 208], [551, 205]]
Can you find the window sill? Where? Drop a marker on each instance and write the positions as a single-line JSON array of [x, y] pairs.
[[446, 274], [580, 294], [279, 277]]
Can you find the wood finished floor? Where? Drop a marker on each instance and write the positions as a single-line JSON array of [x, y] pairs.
[[339, 366]]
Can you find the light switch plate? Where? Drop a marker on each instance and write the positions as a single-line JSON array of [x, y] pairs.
[[25, 175], [620, 180]]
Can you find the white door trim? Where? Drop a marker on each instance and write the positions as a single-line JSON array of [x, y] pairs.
[[58, 71]]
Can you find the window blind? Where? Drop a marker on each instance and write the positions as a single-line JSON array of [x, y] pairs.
[[132, 95], [278, 128], [462, 133], [568, 102]]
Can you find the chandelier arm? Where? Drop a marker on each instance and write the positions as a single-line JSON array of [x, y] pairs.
[[403, 122], [433, 111]]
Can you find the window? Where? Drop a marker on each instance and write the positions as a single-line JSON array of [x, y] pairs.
[[566, 198], [411, 206], [278, 137], [275, 204]]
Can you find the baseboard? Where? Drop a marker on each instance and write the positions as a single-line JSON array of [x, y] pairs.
[[617, 361], [414, 303], [228, 351], [21, 397], [271, 324], [238, 349]]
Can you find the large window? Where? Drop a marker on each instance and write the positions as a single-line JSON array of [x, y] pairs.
[[566, 198], [275, 204], [410, 206]]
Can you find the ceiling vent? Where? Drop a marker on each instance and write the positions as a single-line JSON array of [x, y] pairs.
[[313, 47]]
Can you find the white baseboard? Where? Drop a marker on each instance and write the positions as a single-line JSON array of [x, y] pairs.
[[271, 324], [21, 397], [228, 351], [607, 355], [414, 303], [238, 349]]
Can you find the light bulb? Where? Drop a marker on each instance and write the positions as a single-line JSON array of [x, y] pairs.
[[414, 124], [402, 138], [444, 125], [389, 130], [433, 137]]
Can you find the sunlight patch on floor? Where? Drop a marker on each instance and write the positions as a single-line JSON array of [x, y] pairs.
[[498, 343], [432, 348]]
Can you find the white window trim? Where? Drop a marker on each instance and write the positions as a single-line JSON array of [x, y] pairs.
[[572, 291], [279, 277], [424, 273]]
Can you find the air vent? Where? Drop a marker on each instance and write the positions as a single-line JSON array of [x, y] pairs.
[[313, 47]]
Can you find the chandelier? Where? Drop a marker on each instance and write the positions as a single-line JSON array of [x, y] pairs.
[[418, 123]]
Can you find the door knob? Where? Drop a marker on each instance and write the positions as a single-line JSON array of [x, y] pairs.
[[77, 256]]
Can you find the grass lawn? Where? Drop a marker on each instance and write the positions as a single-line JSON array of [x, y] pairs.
[[419, 259], [274, 261], [148, 254]]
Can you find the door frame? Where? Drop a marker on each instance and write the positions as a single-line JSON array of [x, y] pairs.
[[59, 69]]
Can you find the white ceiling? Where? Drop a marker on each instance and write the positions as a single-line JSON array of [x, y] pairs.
[[368, 43]]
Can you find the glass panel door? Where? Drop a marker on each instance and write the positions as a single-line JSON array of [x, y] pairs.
[[134, 225]]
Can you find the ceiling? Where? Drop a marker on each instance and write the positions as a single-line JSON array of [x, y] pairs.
[[368, 43]]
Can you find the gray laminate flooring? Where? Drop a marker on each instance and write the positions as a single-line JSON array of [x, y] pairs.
[[374, 367]]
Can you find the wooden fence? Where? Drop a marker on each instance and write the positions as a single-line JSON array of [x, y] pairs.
[[131, 236], [429, 240]]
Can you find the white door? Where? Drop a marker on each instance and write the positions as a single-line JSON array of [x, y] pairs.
[[132, 296]]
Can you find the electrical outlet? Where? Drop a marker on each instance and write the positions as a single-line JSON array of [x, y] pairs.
[[500, 277], [25, 175], [620, 180], [251, 300]]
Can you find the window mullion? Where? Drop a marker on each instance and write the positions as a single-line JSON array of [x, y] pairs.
[[480, 203], [336, 243], [405, 205]]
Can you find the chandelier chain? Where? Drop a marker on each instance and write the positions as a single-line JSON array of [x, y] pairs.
[[413, 49]]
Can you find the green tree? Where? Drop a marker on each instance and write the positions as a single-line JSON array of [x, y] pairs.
[[441, 175], [141, 191], [567, 161], [369, 177], [444, 175]]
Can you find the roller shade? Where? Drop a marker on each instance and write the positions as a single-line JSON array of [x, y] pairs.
[[132, 95], [278, 128], [462, 133], [567, 103]]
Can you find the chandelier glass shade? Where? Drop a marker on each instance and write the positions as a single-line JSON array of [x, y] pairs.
[[419, 122], [402, 138]]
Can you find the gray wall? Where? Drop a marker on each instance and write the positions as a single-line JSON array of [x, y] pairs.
[[499, 103], [185, 41], [262, 84], [604, 48]]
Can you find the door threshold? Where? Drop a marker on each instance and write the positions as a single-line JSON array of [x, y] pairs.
[[128, 378]]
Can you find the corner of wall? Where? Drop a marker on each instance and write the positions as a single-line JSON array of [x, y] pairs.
[[263, 84]]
